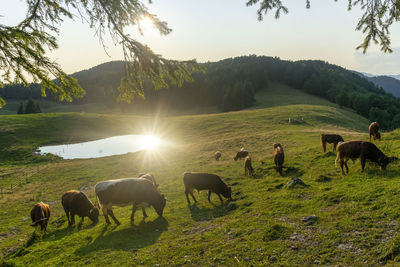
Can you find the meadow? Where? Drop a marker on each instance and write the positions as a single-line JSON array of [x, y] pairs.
[[265, 223]]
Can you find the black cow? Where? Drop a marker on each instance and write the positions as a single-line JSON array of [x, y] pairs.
[[205, 181]]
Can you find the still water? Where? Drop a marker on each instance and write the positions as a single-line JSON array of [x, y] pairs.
[[116, 145]]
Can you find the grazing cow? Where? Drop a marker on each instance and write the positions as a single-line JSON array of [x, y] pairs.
[[374, 131], [248, 169], [217, 155], [138, 192], [241, 154], [363, 150], [279, 158], [205, 181], [40, 215], [77, 203], [149, 177], [330, 138]]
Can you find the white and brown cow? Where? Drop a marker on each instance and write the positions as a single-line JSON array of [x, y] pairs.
[[138, 192]]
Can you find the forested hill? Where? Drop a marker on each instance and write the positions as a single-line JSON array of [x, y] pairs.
[[231, 84]]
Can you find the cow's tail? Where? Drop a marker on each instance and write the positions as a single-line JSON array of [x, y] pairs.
[[98, 201], [337, 159]]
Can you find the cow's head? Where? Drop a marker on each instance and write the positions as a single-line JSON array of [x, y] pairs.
[[94, 214], [159, 207], [227, 192], [383, 162]]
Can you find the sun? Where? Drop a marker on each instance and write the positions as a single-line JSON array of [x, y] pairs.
[[150, 142], [146, 25]]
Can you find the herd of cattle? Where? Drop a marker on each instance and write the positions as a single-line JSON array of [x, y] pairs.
[[142, 192]]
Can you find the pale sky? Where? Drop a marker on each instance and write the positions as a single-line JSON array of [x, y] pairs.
[[210, 30]]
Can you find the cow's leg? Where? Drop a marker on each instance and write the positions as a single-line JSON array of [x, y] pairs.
[[363, 160], [82, 218], [191, 193], [144, 213], [69, 221], [334, 147], [324, 146], [347, 167], [187, 191], [105, 212], [113, 217], [370, 136], [341, 166], [133, 213], [72, 218], [220, 198], [209, 196]]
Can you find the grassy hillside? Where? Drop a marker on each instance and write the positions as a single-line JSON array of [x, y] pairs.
[[357, 214]]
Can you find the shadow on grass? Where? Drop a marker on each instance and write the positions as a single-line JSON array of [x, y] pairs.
[[293, 172], [132, 238], [207, 214]]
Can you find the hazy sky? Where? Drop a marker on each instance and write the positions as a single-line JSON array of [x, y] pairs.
[[210, 30]]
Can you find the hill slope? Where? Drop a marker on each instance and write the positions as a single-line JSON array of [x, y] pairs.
[[357, 214], [389, 84]]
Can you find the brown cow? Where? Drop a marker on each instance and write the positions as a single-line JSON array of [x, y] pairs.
[[330, 138], [279, 157], [374, 131], [248, 169], [77, 203], [363, 150], [217, 155], [40, 215], [205, 181]]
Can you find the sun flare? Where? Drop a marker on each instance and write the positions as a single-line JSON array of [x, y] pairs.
[[146, 25], [150, 142]]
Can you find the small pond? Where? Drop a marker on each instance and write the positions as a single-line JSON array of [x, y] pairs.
[[116, 145]]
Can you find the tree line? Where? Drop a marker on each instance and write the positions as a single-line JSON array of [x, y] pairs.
[[231, 84]]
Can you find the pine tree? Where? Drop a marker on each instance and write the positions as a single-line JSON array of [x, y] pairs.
[[30, 107], [36, 35], [342, 99], [21, 108], [37, 108]]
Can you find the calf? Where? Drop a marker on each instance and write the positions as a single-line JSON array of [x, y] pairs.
[[363, 150], [77, 203], [248, 169], [40, 215], [330, 138], [217, 155], [279, 158], [138, 192], [205, 181], [149, 177], [241, 154], [374, 131]]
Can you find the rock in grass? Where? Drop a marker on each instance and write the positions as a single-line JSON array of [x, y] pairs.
[[295, 182], [309, 220], [272, 259]]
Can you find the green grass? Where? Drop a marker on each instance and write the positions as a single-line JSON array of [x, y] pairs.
[[357, 215]]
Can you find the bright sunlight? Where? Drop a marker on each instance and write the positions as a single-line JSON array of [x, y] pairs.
[[150, 141], [146, 26]]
